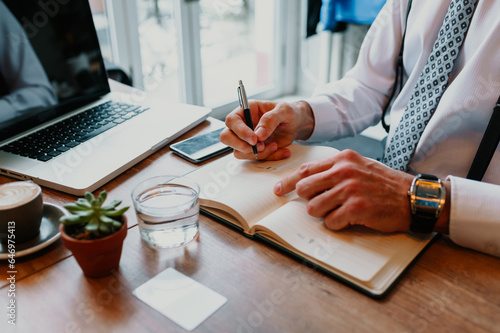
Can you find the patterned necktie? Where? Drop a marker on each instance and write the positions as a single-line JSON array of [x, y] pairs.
[[431, 85]]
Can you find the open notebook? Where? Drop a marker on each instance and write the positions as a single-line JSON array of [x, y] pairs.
[[240, 193]]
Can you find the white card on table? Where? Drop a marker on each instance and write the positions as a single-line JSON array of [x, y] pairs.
[[180, 298]]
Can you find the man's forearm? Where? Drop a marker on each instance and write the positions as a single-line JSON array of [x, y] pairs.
[[306, 115]]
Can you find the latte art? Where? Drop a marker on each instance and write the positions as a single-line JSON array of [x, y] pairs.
[[17, 193]]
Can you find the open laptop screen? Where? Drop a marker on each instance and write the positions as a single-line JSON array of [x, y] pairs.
[[50, 62]]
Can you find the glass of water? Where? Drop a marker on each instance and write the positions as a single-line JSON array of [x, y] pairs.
[[167, 210]]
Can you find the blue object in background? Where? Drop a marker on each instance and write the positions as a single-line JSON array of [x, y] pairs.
[[327, 15], [335, 13], [357, 11]]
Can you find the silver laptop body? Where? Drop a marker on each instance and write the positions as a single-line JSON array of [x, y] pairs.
[[72, 80]]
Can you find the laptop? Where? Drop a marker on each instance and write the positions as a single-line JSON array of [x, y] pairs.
[[60, 124]]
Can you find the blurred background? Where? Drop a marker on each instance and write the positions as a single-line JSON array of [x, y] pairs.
[[195, 51]]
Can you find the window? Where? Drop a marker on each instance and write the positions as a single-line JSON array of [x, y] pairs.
[[237, 43], [102, 25], [159, 48], [196, 51]]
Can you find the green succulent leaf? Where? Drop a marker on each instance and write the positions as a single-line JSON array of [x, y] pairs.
[[94, 222], [102, 197], [115, 212], [83, 203], [74, 207], [71, 219], [86, 214], [104, 229], [106, 220], [89, 196], [95, 204], [91, 227], [116, 224], [111, 205]]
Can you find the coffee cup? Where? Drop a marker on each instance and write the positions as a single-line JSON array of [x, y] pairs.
[[21, 211]]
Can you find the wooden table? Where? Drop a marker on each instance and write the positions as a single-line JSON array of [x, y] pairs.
[[449, 289]]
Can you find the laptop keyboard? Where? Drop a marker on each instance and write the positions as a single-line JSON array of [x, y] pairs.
[[56, 139]]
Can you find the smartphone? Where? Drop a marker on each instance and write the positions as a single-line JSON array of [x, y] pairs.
[[201, 147]]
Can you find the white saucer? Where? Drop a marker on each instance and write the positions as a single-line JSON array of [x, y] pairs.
[[49, 233]]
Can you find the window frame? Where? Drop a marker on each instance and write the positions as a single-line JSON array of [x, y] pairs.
[[126, 49]]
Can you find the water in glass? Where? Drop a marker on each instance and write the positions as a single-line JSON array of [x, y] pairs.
[[168, 215]]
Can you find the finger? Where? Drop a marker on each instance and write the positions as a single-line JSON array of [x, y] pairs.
[[262, 155], [279, 154], [338, 170], [235, 121], [289, 183], [351, 213], [230, 139], [317, 183], [324, 203], [337, 219], [270, 120]]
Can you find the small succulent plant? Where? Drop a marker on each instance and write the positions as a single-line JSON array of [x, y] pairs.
[[89, 219]]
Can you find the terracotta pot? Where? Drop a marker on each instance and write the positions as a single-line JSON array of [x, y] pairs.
[[99, 257]]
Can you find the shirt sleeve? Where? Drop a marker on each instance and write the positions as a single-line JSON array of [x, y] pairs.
[[475, 215], [348, 106]]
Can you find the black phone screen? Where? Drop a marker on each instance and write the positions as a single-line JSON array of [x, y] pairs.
[[200, 147]]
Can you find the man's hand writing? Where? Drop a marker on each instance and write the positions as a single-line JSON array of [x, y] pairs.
[[276, 126]]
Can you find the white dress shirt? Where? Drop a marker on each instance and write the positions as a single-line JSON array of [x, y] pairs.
[[452, 136]]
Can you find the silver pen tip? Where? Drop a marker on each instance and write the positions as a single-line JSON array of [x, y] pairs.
[[240, 82], [256, 156]]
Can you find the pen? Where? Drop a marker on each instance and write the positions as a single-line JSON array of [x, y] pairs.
[[242, 96]]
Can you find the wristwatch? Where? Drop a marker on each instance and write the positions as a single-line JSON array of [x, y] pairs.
[[427, 196]]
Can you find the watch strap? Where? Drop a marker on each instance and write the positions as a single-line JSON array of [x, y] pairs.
[[423, 224]]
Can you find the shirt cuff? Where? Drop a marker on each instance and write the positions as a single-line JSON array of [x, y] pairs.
[[475, 215], [325, 122]]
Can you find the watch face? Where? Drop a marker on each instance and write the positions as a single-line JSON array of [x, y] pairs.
[[427, 197], [427, 203], [428, 194]]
